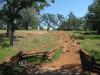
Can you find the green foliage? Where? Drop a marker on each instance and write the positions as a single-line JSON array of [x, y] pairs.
[[72, 23], [52, 21], [93, 16], [29, 18], [10, 12], [49, 20], [5, 43]]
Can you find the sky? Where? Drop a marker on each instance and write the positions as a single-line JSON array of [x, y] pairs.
[[64, 7], [1, 3]]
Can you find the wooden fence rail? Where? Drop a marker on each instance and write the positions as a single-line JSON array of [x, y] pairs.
[[89, 63], [21, 58]]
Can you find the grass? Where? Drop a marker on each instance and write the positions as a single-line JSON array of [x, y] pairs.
[[7, 52], [27, 41], [88, 41], [1, 73], [50, 47], [34, 42], [57, 54]]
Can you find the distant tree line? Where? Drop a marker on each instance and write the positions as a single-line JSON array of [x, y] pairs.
[[72, 23], [59, 22]]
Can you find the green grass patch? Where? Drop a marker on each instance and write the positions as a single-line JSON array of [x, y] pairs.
[[57, 54], [4, 42], [6, 53], [88, 41]]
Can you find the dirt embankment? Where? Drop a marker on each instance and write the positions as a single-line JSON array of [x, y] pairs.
[[70, 52]]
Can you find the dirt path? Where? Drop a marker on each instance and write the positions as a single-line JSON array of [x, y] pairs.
[[70, 53]]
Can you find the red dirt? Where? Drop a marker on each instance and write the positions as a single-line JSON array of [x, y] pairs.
[[70, 52]]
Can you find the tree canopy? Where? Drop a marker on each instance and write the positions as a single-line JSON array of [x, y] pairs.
[[93, 16]]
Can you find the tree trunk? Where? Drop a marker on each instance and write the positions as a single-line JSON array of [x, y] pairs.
[[98, 29], [8, 30], [12, 28], [1, 26], [48, 28], [11, 34], [26, 27], [11, 38]]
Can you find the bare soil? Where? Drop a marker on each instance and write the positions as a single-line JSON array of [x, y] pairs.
[[70, 52]]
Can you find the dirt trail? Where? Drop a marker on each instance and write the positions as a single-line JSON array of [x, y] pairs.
[[70, 53]]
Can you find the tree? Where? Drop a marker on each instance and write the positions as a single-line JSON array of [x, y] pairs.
[[40, 6], [89, 21], [11, 13], [71, 23], [93, 15], [49, 20], [28, 18], [1, 26], [60, 19]]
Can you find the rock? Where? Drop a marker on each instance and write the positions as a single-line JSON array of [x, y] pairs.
[[78, 42]]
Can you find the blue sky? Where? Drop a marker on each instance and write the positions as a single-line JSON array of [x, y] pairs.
[[64, 7]]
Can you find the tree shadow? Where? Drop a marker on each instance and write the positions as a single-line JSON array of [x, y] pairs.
[[36, 70], [86, 33]]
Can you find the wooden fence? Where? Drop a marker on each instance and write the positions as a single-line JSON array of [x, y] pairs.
[[89, 63], [21, 59]]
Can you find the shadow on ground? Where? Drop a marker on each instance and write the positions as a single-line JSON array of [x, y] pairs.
[[37, 70], [85, 35]]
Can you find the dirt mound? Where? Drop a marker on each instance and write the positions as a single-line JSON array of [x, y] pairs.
[[70, 52]]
